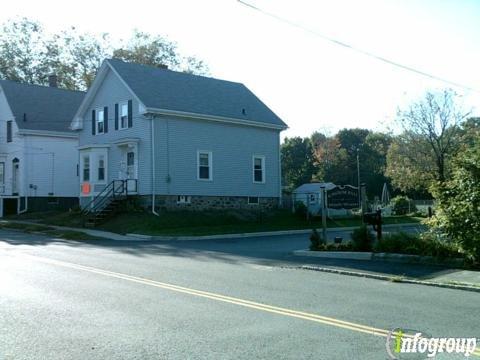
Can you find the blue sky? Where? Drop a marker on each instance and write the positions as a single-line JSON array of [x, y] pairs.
[[309, 82]]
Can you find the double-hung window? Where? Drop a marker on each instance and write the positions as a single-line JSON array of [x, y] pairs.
[[2, 172], [101, 168], [258, 169], [123, 116], [86, 168], [204, 164], [100, 121], [9, 131]]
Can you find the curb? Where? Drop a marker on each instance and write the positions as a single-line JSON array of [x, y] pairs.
[[387, 257], [252, 234], [465, 287], [346, 255]]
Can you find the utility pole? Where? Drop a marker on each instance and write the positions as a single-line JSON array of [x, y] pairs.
[[358, 178], [324, 212]]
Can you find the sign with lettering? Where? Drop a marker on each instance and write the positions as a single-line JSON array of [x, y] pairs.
[[343, 197]]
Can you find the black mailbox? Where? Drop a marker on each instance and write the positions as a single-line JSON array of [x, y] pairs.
[[370, 218], [375, 219]]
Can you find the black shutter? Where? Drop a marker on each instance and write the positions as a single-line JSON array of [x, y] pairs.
[[105, 119], [116, 116], [93, 122], [130, 120]]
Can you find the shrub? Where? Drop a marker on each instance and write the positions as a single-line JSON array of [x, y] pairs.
[[427, 244], [335, 247], [316, 240], [401, 243], [300, 209], [402, 205], [362, 239]]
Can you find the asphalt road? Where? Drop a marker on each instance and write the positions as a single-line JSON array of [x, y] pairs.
[[220, 299]]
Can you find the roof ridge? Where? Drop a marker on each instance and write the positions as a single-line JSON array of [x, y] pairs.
[[174, 71]]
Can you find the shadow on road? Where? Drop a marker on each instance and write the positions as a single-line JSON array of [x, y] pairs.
[[272, 251]]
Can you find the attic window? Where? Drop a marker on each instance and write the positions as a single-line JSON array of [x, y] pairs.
[[244, 112], [24, 116]]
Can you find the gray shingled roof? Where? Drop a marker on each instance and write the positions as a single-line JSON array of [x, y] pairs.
[[45, 108], [171, 90]]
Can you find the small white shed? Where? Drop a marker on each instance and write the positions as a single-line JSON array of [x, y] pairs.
[[311, 195]]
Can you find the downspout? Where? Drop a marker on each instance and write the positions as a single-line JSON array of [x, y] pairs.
[[24, 183], [279, 172], [152, 137]]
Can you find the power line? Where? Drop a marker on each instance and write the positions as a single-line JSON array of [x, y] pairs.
[[353, 48]]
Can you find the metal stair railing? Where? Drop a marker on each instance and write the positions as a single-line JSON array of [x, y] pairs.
[[113, 190]]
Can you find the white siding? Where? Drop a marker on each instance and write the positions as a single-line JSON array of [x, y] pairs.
[[48, 162]]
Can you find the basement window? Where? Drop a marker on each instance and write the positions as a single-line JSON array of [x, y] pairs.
[[184, 199], [52, 200], [253, 200]]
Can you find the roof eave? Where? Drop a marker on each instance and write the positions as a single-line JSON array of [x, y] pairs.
[[64, 134], [185, 114]]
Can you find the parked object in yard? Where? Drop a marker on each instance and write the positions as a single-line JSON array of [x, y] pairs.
[[340, 200]]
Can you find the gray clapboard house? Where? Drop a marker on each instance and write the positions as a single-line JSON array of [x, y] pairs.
[[38, 150], [176, 140]]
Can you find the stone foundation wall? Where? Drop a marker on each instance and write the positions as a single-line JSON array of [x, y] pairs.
[[169, 202]]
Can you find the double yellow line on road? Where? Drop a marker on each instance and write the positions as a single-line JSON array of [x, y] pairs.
[[227, 299]]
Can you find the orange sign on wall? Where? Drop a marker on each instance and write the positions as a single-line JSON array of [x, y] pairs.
[[86, 188]]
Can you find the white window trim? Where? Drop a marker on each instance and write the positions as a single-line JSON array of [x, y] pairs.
[[82, 167], [120, 116], [210, 165], [98, 110], [264, 171], [2, 178], [104, 181]]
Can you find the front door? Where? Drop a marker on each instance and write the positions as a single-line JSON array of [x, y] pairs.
[[131, 168], [15, 176]]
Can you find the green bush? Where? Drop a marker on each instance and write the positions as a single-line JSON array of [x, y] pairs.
[[316, 240], [401, 205], [335, 247], [362, 239], [457, 210], [300, 209], [426, 244]]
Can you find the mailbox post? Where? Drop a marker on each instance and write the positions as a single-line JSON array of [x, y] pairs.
[[374, 219]]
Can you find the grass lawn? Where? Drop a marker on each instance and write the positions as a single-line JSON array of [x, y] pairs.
[[223, 222], [47, 230], [202, 223]]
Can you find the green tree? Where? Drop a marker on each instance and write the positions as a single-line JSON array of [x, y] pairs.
[[430, 130], [458, 202], [336, 158], [24, 55], [410, 163], [297, 162], [29, 55], [155, 50]]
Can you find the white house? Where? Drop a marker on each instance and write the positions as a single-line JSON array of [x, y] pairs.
[[38, 151]]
